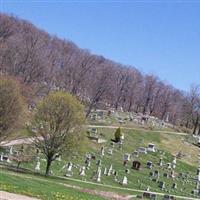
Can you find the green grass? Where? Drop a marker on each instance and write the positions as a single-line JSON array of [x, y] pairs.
[[41, 188], [137, 179]]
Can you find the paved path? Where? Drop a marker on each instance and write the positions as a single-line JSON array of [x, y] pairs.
[[127, 189], [30, 140], [137, 129], [93, 183], [11, 196]]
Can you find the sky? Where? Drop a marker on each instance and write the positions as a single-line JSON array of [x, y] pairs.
[[156, 37]]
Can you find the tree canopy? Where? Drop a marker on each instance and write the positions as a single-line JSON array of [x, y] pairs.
[[11, 105], [57, 123]]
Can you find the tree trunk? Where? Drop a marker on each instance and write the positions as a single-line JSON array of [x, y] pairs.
[[199, 130], [18, 164], [48, 166], [196, 125]]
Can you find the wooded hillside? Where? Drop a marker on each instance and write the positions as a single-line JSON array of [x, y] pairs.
[[44, 63]]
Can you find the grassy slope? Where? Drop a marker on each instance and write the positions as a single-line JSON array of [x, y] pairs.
[[167, 143], [40, 188], [137, 179]]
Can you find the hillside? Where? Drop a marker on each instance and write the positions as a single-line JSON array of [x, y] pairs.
[[44, 63]]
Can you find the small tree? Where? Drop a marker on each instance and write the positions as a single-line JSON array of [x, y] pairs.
[[118, 134], [22, 156], [58, 122], [11, 105]]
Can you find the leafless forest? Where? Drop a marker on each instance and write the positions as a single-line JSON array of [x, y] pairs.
[[44, 62]]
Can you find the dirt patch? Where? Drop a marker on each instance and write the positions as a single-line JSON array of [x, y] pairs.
[[11, 196]]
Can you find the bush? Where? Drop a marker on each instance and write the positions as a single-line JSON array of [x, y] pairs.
[[118, 134]]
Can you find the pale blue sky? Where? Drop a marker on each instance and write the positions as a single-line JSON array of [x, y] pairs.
[[160, 37]]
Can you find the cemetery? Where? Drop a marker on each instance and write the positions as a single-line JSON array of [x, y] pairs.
[[136, 159]]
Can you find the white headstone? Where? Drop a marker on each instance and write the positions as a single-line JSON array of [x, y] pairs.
[[82, 171], [125, 181], [110, 170], [1, 157], [37, 167]]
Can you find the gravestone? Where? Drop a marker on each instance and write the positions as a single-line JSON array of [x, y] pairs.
[[125, 181], [37, 167], [173, 175], [135, 154], [160, 163], [105, 171], [1, 158], [98, 174], [110, 170], [11, 150], [127, 171], [169, 165], [69, 169], [151, 147], [174, 163], [156, 173], [198, 174], [82, 171], [115, 175], [162, 185], [142, 150], [102, 151], [136, 165], [98, 163], [174, 186], [110, 151], [149, 165], [88, 162]]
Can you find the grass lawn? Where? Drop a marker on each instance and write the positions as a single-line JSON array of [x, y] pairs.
[[40, 188], [136, 179]]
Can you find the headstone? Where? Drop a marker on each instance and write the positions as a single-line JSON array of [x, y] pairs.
[[174, 186], [115, 175], [69, 169], [198, 174], [142, 150], [110, 170], [11, 150], [169, 165], [37, 167], [156, 174], [174, 163], [8, 160], [102, 151], [166, 175], [122, 136], [173, 174], [88, 162], [82, 171], [160, 163], [136, 165], [162, 185], [127, 157], [197, 185], [149, 165], [151, 147], [127, 171], [98, 163], [125, 181], [2, 154], [105, 171], [135, 154], [99, 174], [110, 151]]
